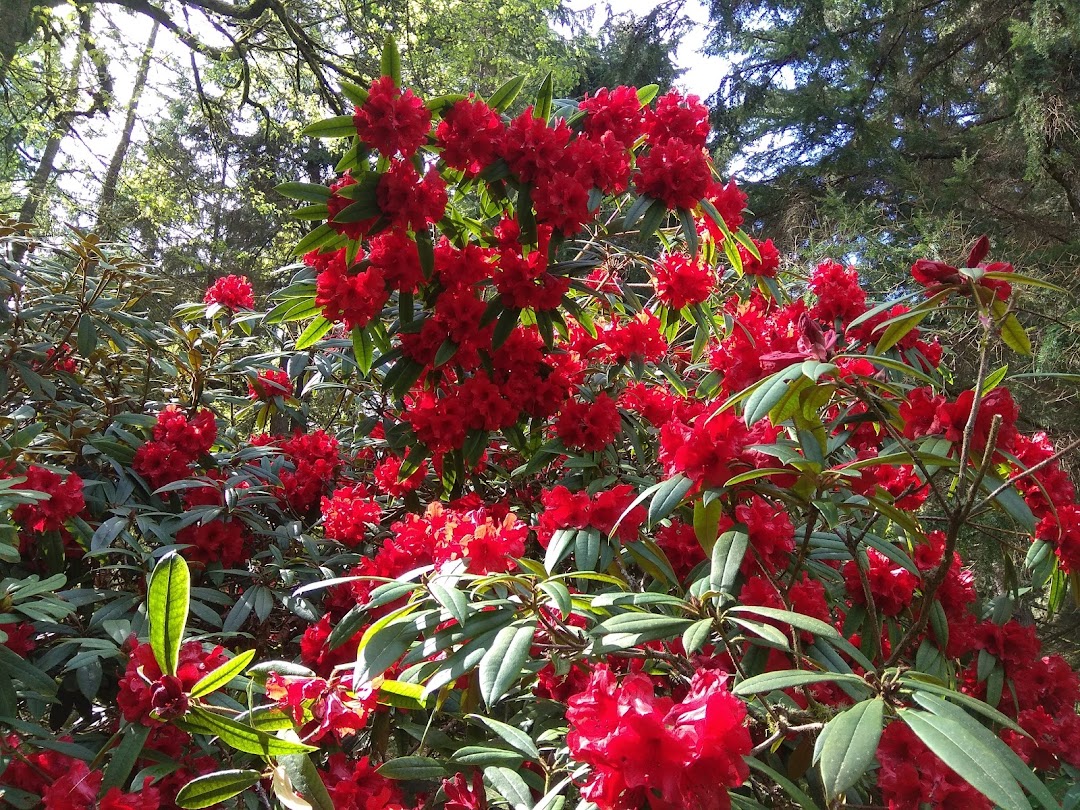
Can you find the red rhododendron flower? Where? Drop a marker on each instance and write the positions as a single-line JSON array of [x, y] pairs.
[[470, 135], [839, 296], [177, 442], [64, 501], [349, 514], [892, 585], [767, 265], [589, 426], [678, 117], [648, 751], [356, 786], [532, 148], [674, 172], [392, 121], [232, 293], [394, 256], [270, 383], [137, 687], [617, 111], [354, 299], [681, 281], [409, 200]]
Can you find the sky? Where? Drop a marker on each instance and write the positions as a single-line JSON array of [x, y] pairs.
[[703, 72]]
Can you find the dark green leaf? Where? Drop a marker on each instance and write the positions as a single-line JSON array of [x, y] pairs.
[[501, 665], [390, 63], [305, 192], [502, 98], [783, 679], [239, 736], [208, 790], [340, 126], [125, 755], [412, 768], [846, 747], [667, 497], [542, 108], [971, 759]]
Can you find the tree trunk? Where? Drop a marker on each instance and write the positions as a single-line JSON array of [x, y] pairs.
[[39, 185], [106, 226]]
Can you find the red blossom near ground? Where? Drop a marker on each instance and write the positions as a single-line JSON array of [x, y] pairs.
[[649, 751], [231, 292]]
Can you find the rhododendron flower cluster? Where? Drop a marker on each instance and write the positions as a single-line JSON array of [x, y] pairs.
[[64, 501], [564, 509], [649, 751], [176, 443], [270, 383], [231, 292], [146, 694]]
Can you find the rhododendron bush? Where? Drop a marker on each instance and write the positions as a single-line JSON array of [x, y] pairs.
[[540, 484]]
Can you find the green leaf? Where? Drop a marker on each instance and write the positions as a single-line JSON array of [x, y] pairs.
[[1014, 335], [340, 126], [510, 786], [239, 736], [784, 679], [501, 665], [971, 759], [212, 681], [727, 557], [390, 63], [304, 780], [354, 93], [403, 695], [1016, 766], [798, 620], [768, 393], [542, 108], [381, 646], [707, 522], [630, 629], [993, 379], [647, 93], [846, 746], [86, 338], [412, 768], [32, 677], [505, 95], [454, 600], [314, 333], [208, 790], [125, 755], [514, 737], [667, 497], [305, 192], [900, 326], [1011, 501], [695, 636], [167, 599], [689, 232], [315, 239], [363, 349]]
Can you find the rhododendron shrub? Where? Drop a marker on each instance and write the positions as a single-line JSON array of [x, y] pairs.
[[540, 484]]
